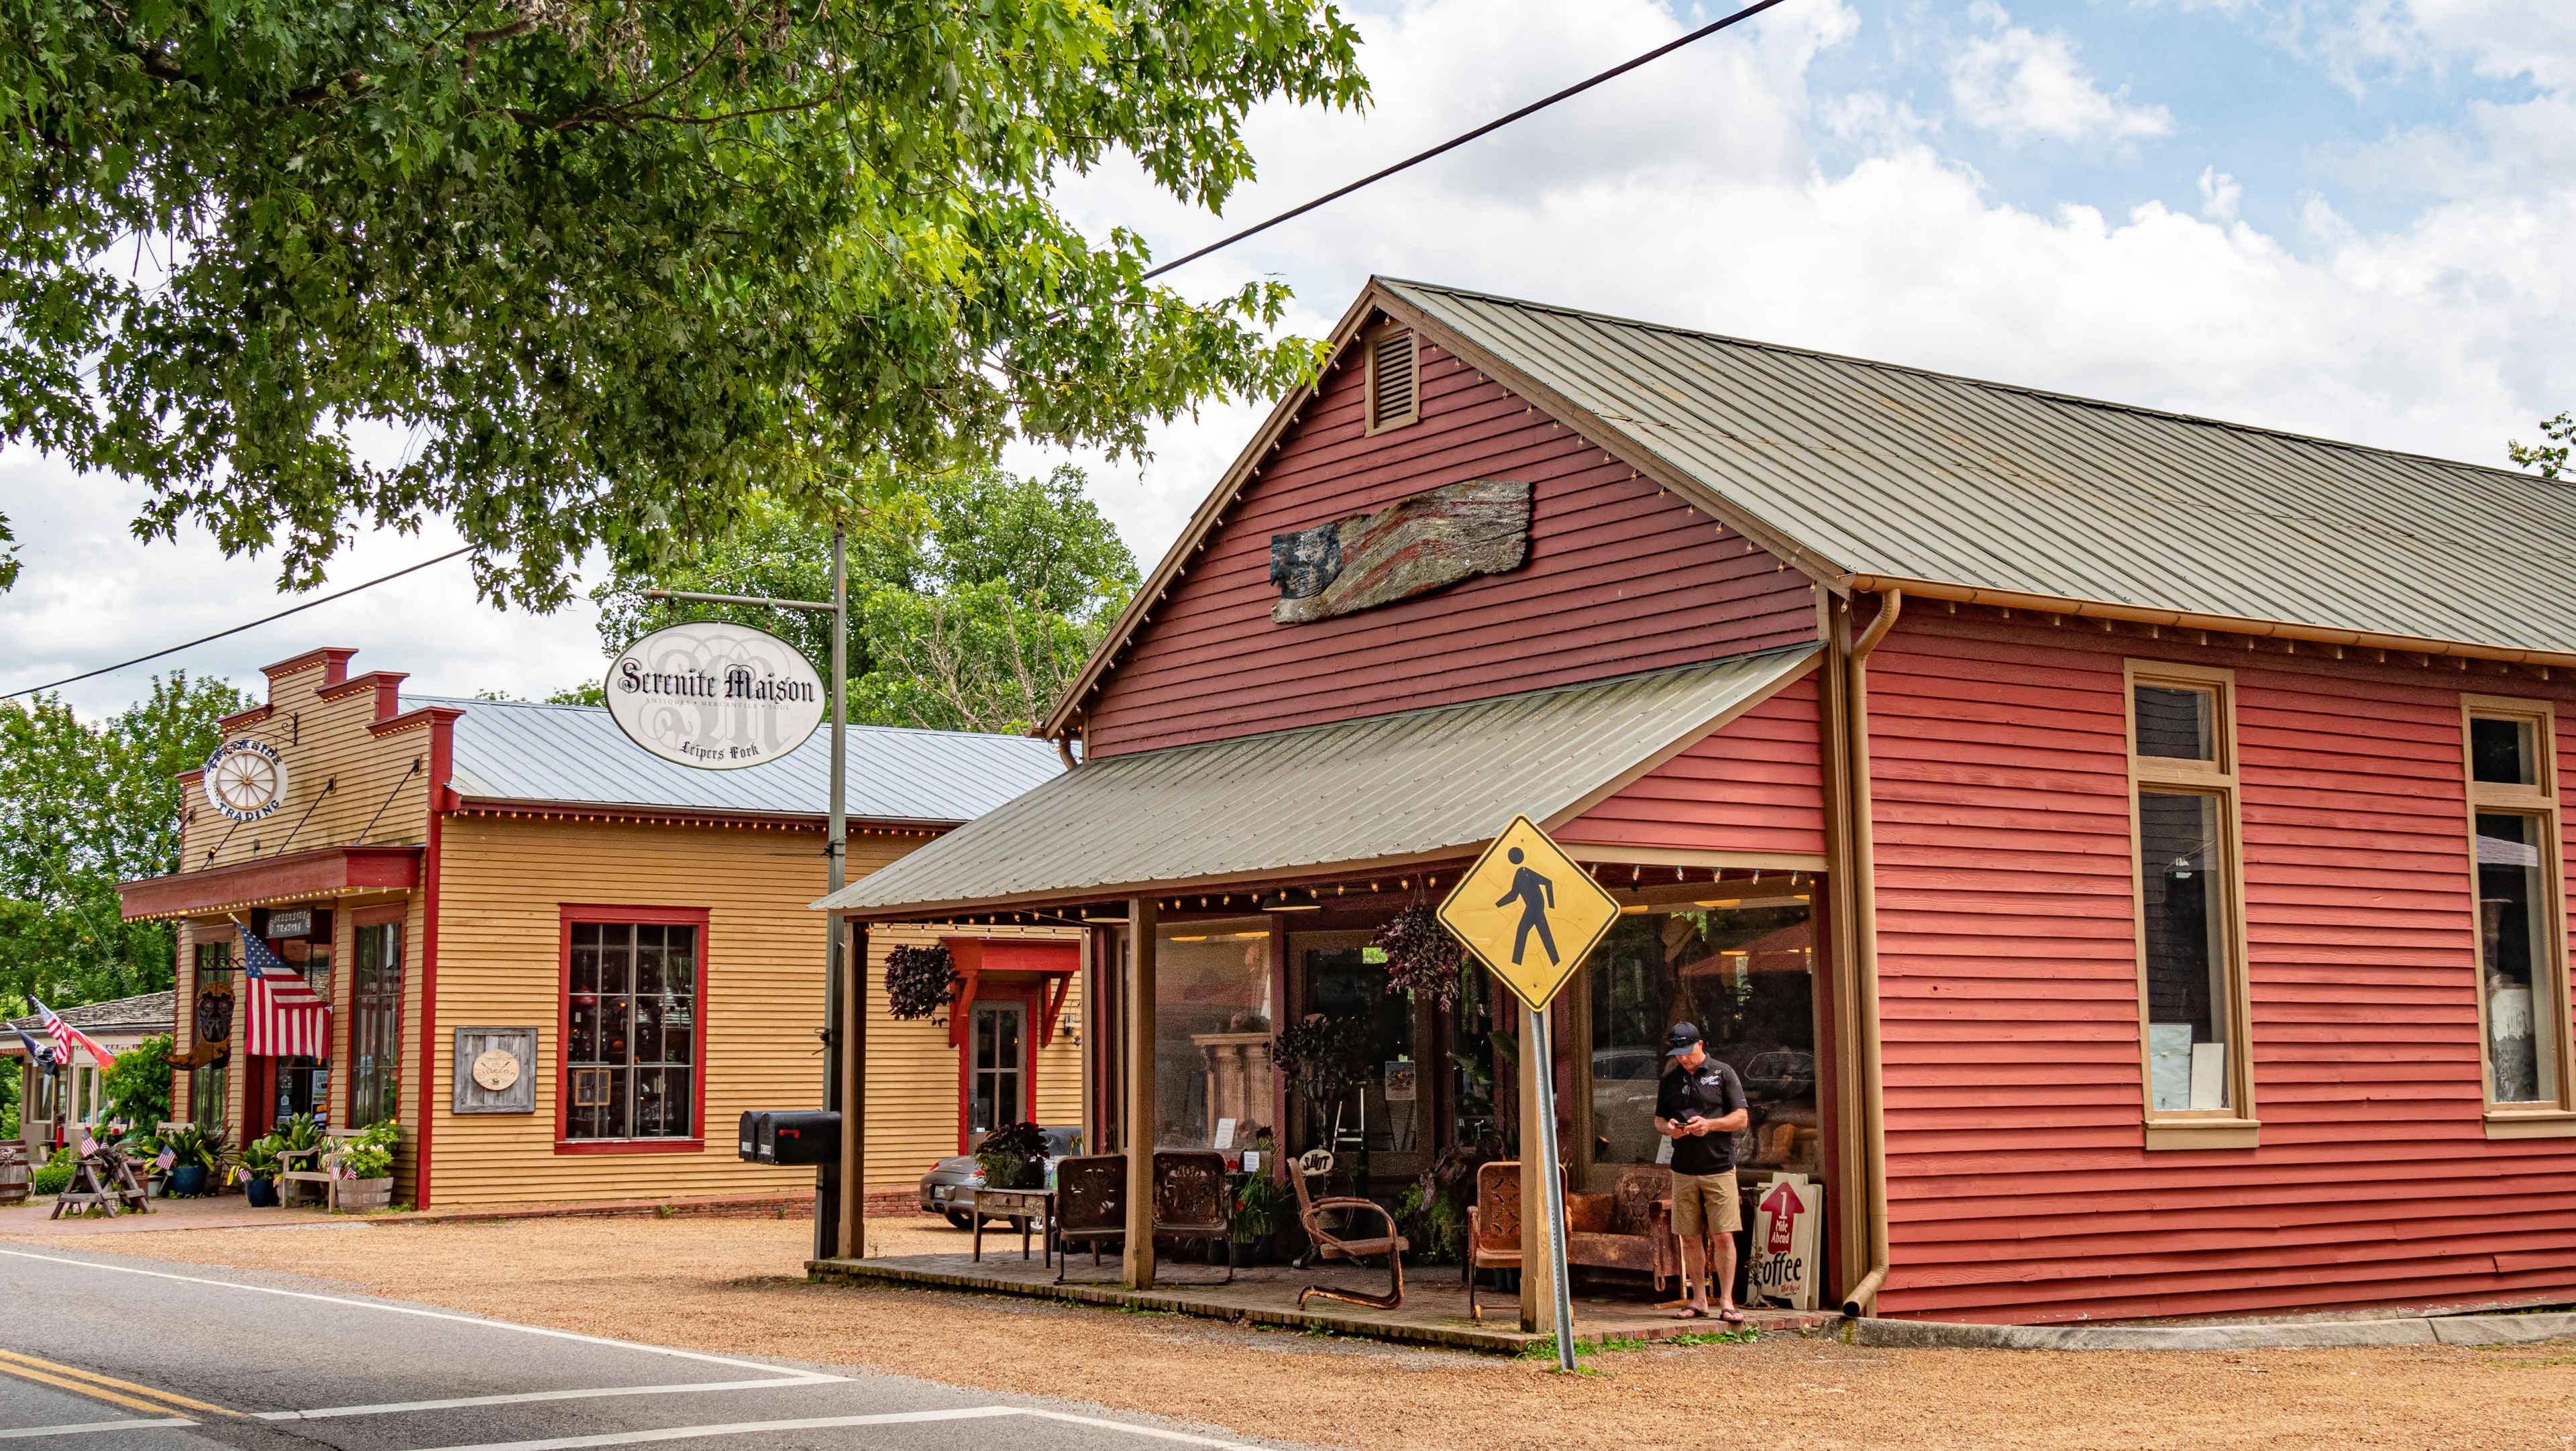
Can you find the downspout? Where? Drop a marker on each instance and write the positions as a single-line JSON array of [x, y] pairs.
[[1863, 1299], [1064, 748]]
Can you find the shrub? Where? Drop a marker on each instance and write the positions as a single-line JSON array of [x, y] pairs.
[[138, 1082], [371, 1154]]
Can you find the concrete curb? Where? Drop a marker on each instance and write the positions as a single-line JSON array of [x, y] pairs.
[[2302, 1335]]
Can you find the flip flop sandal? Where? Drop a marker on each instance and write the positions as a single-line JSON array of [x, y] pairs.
[[1688, 1313], [1729, 1317]]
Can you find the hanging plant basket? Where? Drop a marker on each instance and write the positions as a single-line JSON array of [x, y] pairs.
[[921, 981], [1421, 957]]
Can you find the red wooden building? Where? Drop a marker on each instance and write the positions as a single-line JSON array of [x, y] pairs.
[[2121, 851]]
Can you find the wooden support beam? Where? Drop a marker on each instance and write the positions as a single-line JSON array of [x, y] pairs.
[[854, 1095], [1140, 1117]]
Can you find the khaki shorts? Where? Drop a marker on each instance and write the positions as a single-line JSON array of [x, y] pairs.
[[1706, 1204]]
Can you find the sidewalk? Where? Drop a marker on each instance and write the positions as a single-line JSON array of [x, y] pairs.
[[232, 1211]]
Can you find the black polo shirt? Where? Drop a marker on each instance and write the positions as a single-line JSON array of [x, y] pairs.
[[1709, 1091]]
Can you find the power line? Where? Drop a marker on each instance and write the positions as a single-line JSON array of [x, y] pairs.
[[237, 629], [1454, 142]]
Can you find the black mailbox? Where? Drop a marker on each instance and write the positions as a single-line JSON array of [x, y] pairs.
[[791, 1136]]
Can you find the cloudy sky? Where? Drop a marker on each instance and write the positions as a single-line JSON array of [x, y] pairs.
[[2347, 218]]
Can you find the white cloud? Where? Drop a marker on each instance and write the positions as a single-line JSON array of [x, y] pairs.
[[2219, 194], [2021, 84]]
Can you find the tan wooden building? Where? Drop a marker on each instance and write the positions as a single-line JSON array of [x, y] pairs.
[[563, 965]]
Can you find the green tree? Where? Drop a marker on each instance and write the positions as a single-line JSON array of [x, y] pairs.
[[138, 1082], [610, 267], [82, 807], [2549, 458], [974, 596]]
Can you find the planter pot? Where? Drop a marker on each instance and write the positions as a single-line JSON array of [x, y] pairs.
[[357, 1196], [187, 1181], [262, 1193]]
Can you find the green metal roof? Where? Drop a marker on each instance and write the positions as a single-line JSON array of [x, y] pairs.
[[1869, 470], [1386, 789]]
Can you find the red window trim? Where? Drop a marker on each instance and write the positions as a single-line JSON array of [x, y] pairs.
[[607, 915]]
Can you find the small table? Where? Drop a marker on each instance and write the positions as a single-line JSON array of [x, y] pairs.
[[1020, 1206]]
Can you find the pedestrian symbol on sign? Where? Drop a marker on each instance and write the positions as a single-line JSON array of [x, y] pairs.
[[1529, 912]]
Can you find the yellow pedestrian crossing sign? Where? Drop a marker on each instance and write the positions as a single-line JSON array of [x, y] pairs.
[[1529, 912]]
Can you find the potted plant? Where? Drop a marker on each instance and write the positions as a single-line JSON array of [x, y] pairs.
[[195, 1155], [1262, 1208], [364, 1169], [1013, 1157], [259, 1169]]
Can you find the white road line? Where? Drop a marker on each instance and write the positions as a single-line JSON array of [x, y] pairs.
[[425, 1314], [828, 1423], [78, 1427], [391, 1408]]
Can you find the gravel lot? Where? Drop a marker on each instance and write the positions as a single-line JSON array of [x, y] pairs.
[[736, 1285]]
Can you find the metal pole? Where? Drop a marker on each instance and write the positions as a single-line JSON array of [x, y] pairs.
[[837, 1004], [1551, 1181]]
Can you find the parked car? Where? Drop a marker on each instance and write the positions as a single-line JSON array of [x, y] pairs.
[[942, 1187]]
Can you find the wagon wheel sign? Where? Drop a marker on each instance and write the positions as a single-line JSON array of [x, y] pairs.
[[245, 779]]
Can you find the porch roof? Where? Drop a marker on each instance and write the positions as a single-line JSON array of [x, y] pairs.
[[1380, 791]]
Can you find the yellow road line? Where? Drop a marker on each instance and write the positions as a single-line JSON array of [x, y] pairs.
[[172, 1397], [129, 1402]]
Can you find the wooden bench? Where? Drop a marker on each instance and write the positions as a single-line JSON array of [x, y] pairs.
[[317, 1173]]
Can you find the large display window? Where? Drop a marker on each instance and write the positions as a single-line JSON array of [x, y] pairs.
[[1744, 970], [1213, 1017]]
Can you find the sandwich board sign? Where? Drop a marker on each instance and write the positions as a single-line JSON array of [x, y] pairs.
[[1783, 1268], [1529, 912]]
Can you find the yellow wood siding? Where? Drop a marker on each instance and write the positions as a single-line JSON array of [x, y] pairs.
[[912, 1071], [335, 768]]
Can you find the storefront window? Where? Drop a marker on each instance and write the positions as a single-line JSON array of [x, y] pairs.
[[1212, 1024], [1346, 979], [2191, 968], [628, 1069], [1745, 974], [1479, 1103], [375, 1023], [209, 1085]]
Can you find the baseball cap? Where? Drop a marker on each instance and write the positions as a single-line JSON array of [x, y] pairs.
[[1683, 1038]]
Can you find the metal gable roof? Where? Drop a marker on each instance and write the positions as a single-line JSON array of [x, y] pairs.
[[511, 751], [1887, 474], [1380, 789]]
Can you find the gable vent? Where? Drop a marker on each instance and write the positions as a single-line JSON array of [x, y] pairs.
[[1394, 391]]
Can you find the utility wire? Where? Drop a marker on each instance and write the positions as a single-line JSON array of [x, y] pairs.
[[1374, 177], [1454, 142], [237, 629]]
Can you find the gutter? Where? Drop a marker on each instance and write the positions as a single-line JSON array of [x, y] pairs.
[[2220, 624], [1862, 1299]]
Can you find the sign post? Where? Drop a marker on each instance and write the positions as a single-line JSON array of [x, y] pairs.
[[1531, 914], [840, 1191]]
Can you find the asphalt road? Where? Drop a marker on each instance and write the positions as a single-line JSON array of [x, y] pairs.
[[103, 1353]]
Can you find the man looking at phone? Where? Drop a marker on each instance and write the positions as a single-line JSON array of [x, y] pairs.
[[1700, 1106]]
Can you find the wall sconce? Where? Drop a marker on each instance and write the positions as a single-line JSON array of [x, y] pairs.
[[1069, 1028]]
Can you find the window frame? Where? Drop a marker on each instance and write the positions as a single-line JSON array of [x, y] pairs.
[[622, 916], [397, 916], [2239, 1125], [2554, 1116], [1370, 423]]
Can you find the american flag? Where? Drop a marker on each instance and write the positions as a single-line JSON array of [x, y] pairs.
[[66, 1037], [282, 1015]]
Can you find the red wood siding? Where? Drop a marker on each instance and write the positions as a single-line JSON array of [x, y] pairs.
[[2020, 1188], [1620, 578], [1754, 787]]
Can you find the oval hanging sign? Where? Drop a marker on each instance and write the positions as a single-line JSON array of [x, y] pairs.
[[716, 696]]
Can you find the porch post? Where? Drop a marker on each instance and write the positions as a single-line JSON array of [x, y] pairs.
[[854, 1097], [1140, 1118]]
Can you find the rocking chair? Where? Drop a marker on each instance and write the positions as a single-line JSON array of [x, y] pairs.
[[1330, 1243]]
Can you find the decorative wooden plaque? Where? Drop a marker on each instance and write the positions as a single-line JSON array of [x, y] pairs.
[[1410, 547], [481, 1083]]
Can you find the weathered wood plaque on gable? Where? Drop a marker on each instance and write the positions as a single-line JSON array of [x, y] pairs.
[[1413, 546]]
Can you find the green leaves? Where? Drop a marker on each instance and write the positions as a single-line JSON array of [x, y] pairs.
[[2548, 458], [82, 807], [974, 595], [588, 272]]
